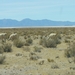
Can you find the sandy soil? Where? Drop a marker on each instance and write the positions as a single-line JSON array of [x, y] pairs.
[[22, 65]]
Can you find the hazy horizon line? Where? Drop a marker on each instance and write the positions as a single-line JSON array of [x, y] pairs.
[[37, 27], [34, 19]]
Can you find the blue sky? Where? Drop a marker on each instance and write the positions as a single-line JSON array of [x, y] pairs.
[[57, 10]]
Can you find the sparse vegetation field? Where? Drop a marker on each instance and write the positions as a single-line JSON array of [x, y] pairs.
[[37, 51]]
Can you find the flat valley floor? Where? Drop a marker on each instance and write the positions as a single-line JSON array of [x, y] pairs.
[[37, 56]]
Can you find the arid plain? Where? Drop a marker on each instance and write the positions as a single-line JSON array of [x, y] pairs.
[[37, 51]]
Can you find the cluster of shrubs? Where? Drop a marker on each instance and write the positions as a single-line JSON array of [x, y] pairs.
[[50, 42], [19, 43], [70, 51]]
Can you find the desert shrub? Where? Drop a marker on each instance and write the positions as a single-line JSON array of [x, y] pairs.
[[18, 43], [70, 51], [47, 42], [25, 37], [69, 73], [50, 43], [18, 54], [32, 53], [29, 40], [1, 49], [67, 53], [2, 58], [29, 36], [57, 57], [56, 39], [67, 41], [58, 35], [72, 67], [7, 47], [50, 60], [33, 56], [41, 62], [37, 49]]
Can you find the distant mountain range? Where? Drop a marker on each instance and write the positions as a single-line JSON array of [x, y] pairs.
[[29, 23]]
